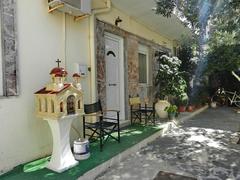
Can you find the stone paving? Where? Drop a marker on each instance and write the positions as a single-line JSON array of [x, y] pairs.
[[203, 148]]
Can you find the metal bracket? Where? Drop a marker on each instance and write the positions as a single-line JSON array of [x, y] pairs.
[[51, 9], [77, 18]]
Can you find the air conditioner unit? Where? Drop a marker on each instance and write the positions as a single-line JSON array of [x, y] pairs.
[[72, 7]]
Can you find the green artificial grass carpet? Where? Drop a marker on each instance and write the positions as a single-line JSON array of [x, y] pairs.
[[36, 169]]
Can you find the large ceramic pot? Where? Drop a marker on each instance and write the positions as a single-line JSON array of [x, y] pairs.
[[160, 106]]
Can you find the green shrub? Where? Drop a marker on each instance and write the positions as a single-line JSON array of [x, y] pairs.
[[171, 109]]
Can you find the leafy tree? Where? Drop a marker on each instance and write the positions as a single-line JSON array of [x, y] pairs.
[[226, 18], [224, 46], [196, 12], [189, 61], [165, 7], [224, 58], [223, 15], [218, 19]]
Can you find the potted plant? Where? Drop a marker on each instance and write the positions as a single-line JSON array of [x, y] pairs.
[[192, 104], [190, 108], [172, 111], [182, 102], [168, 82]]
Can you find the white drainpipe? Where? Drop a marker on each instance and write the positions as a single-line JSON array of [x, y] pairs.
[[92, 47]]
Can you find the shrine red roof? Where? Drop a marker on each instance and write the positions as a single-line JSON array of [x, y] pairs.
[[58, 75], [59, 71], [44, 91], [76, 75]]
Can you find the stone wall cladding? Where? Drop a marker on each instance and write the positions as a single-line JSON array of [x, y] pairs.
[[100, 55], [133, 74], [131, 42], [9, 47]]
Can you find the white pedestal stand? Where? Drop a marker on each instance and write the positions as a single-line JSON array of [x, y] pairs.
[[62, 157]]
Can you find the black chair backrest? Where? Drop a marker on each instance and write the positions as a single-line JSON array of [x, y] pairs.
[[93, 108]]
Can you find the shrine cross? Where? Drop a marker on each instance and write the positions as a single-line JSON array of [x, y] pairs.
[[58, 62]]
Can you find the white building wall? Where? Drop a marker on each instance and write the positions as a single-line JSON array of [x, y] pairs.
[[41, 37]]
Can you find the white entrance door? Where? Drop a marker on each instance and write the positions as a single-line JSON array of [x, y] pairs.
[[114, 73]]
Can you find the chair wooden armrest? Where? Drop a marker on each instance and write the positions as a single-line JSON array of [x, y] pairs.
[[93, 114], [148, 107], [110, 110]]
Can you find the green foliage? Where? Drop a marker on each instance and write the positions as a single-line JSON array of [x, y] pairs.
[[223, 58], [165, 7], [222, 19], [224, 14], [189, 9], [224, 46], [219, 38], [227, 18], [169, 80], [187, 54], [182, 100], [171, 109]]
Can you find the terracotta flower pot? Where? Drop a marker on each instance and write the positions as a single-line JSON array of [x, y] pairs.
[[181, 108], [190, 108]]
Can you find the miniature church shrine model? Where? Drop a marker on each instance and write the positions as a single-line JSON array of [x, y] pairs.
[[59, 103], [59, 99]]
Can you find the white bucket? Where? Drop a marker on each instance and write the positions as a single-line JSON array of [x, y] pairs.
[[81, 149]]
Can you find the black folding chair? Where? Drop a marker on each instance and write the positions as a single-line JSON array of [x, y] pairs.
[[139, 112], [104, 126], [148, 112], [135, 109]]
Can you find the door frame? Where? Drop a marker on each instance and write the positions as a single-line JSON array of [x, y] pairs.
[[121, 70]]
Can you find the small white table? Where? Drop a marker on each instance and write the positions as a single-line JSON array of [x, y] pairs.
[[62, 157]]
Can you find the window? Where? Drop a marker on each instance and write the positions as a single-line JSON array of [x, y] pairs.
[[142, 59], [52, 106], [46, 105], [79, 104], [40, 105], [143, 64], [61, 107]]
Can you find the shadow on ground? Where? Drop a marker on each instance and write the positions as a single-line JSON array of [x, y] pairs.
[[204, 148]]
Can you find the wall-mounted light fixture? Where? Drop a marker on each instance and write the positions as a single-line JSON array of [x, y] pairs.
[[117, 21]]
